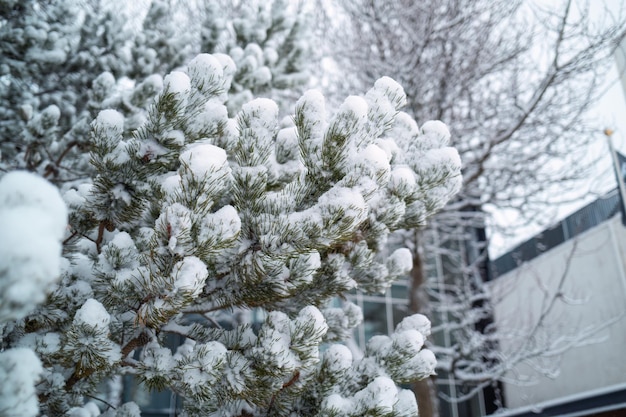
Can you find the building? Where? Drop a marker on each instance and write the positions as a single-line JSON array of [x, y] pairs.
[[563, 288]]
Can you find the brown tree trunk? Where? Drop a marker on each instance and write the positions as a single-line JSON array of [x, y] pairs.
[[426, 389]]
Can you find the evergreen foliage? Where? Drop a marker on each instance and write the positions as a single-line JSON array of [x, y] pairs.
[[180, 211]]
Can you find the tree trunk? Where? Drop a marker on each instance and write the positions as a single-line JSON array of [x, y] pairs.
[[426, 389]]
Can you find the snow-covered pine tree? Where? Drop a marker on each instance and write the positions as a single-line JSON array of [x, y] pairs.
[[267, 42], [194, 214], [52, 52], [67, 60]]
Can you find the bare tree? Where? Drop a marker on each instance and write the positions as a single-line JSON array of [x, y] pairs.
[[514, 81]]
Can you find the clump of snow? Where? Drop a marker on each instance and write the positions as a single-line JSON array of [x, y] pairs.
[[205, 71], [400, 262], [93, 314], [223, 225], [337, 404], [43, 344], [33, 220], [380, 394], [394, 91], [20, 369], [355, 105], [376, 156], [176, 221], [402, 181], [228, 69], [110, 120], [263, 110], [20, 189], [346, 201], [337, 358], [436, 133], [406, 404], [204, 159], [417, 322], [177, 82], [213, 117], [189, 275], [311, 316]]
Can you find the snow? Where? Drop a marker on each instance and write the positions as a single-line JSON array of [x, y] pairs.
[[110, 120], [223, 225], [402, 182], [376, 157], [20, 369], [314, 104], [338, 358], [213, 117], [417, 322], [33, 220], [310, 315], [380, 394], [424, 363], [177, 82], [20, 189], [189, 275], [176, 221], [437, 133], [406, 404], [434, 161], [343, 406], [355, 105], [203, 159], [263, 109], [408, 341], [92, 314], [43, 344], [401, 260], [344, 199], [204, 70], [228, 69], [393, 91], [120, 193], [176, 137], [157, 359]]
